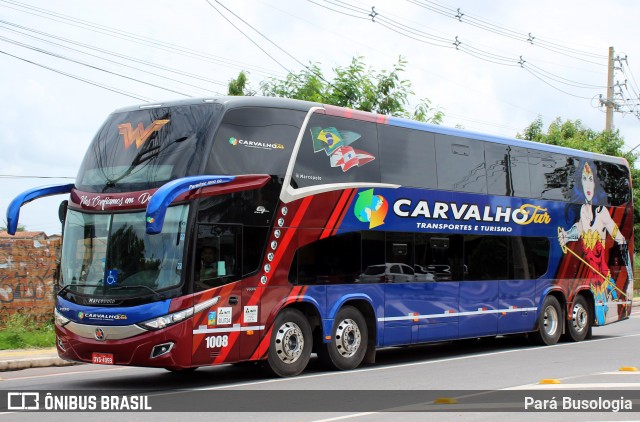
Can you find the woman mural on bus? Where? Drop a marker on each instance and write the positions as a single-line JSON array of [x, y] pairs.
[[591, 229]]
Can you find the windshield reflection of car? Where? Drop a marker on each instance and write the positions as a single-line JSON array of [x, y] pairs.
[[389, 273], [439, 271], [423, 274]]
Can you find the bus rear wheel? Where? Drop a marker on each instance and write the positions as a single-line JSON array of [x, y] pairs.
[[549, 322], [579, 323], [290, 345], [349, 339]]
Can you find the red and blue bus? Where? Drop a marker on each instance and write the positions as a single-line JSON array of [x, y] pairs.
[[237, 229]]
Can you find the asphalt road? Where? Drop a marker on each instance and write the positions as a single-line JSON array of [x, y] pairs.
[[447, 370]]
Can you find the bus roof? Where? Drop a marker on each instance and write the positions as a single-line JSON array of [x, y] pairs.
[[444, 130], [230, 102]]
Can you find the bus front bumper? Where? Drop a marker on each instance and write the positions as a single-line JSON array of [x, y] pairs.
[[126, 345]]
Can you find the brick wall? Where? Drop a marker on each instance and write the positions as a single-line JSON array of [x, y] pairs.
[[27, 265]]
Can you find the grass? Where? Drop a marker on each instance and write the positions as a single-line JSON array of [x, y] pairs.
[[22, 332]]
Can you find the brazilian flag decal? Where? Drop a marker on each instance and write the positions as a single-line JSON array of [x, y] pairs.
[[329, 139]]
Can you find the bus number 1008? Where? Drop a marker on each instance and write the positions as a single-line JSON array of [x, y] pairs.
[[217, 341]]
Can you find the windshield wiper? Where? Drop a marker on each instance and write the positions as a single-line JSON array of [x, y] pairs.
[[77, 285], [137, 286]]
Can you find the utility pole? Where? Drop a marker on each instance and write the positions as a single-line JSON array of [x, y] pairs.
[[609, 103]]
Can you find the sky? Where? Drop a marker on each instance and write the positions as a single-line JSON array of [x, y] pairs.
[[65, 65]]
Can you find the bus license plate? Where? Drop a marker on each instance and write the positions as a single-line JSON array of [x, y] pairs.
[[102, 358]]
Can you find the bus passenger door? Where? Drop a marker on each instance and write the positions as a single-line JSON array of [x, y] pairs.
[[216, 330]]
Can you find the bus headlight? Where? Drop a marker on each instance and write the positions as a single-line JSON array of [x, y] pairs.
[[166, 320], [176, 317], [60, 319]]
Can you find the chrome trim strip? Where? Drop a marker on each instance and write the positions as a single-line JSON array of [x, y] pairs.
[[111, 332], [456, 314]]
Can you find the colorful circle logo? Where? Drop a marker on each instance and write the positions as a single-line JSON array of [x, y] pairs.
[[233, 141], [80, 315], [370, 208]]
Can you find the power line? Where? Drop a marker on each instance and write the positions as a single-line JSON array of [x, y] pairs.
[[249, 38], [59, 56], [103, 86], [468, 48], [101, 50], [311, 70], [132, 37], [483, 24], [537, 76]]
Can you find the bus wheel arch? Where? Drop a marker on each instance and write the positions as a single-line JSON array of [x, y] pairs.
[[353, 337], [580, 317], [550, 320]]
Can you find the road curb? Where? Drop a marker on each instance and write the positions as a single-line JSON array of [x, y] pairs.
[[18, 364]]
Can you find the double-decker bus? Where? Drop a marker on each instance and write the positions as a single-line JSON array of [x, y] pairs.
[[225, 230]]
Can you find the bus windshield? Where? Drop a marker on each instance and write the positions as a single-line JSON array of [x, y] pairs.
[[111, 255], [143, 149]]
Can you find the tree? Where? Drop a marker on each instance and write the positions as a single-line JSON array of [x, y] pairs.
[[240, 85], [355, 86], [573, 134]]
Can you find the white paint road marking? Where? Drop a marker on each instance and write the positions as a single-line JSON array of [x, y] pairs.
[[580, 386]]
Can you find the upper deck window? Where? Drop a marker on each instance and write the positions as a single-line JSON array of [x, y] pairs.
[[408, 157], [337, 150], [551, 175], [460, 164], [255, 140], [614, 178]]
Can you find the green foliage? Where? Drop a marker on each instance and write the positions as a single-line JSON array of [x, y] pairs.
[[573, 134], [3, 227], [355, 86], [22, 331], [240, 86]]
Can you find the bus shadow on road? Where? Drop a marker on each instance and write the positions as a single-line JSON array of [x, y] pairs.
[[228, 376]]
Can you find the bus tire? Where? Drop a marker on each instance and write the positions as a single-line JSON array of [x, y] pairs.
[[290, 345], [549, 322], [579, 322], [349, 340]]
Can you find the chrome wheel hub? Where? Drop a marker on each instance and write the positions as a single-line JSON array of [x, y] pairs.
[[348, 338], [579, 318], [289, 342], [550, 320]]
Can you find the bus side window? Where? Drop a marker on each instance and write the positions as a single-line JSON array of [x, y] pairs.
[[551, 175], [337, 150], [415, 149], [439, 256], [327, 261], [460, 164], [507, 170], [614, 179]]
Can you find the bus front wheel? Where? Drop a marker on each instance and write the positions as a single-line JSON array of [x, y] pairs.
[[549, 322], [348, 343], [579, 323], [291, 344]]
